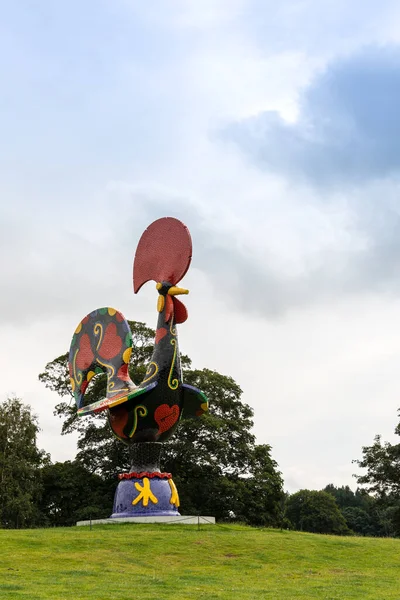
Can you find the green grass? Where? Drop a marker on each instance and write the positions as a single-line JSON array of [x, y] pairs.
[[176, 562]]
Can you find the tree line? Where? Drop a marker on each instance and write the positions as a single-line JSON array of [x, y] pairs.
[[217, 465]]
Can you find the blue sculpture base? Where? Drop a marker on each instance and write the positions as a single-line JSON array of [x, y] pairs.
[[146, 497], [145, 491]]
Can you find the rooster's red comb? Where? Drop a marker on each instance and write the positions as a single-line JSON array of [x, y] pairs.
[[164, 253]]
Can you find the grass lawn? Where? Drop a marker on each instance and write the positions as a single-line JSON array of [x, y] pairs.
[[149, 562]]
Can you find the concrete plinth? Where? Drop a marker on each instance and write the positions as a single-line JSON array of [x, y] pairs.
[[181, 520]]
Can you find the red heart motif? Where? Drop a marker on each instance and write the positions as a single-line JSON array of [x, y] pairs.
[[85, 355], [123, 373], [111, 344], [118, 419], [166, 416], [160, 333]]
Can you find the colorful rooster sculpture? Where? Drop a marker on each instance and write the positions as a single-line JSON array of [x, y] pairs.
[[142, 416]]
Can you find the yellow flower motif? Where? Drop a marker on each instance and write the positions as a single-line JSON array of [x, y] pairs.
[[145, 493], [174, 494]]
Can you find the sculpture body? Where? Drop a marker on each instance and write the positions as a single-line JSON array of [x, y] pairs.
[[147, 414]]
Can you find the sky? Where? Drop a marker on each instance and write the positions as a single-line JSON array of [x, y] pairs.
[[272, 131]]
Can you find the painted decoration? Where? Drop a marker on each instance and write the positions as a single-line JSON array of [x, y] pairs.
[[148, 413], [146, 497], [102, 343]]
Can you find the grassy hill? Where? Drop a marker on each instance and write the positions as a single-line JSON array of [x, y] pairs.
[[148, 562]]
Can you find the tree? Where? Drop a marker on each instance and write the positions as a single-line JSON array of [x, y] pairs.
[[382, 479], [317, 512], [20, 462], [344, 495], [360, 510], [382, 462], [217, 466], [262, 491], [71, 494]]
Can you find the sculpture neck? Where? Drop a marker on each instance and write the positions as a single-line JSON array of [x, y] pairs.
[[145, 457], [166, 361], [165, 334]]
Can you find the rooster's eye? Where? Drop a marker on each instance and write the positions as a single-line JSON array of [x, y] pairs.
[[163, 287]]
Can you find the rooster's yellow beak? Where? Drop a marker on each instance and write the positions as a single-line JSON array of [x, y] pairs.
[[177, 291]]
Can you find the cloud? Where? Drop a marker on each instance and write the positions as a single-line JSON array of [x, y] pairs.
[[348, 130], [265, 246], [50, 274], [266, 270]]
